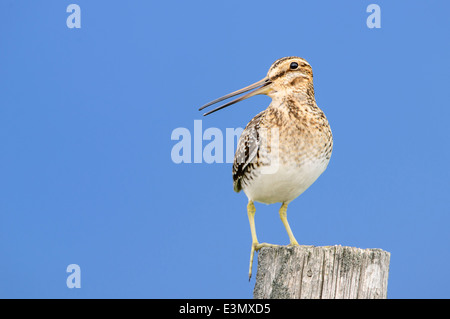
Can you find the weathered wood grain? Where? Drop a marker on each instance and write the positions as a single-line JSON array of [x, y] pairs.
[[330, 272]]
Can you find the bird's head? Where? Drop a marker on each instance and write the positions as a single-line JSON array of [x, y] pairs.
[[289, 74], [286, 75]]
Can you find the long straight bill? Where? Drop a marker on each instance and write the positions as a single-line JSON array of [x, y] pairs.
[[259, 89]]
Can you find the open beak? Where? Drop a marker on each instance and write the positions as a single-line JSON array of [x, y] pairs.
[[262, 87]]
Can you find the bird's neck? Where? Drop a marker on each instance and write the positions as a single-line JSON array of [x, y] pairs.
[[300, 98]]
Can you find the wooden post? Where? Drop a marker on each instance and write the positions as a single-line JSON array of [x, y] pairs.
[[330, 272]]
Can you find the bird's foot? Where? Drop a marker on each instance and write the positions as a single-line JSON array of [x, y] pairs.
[[256, 247], [293, 243]]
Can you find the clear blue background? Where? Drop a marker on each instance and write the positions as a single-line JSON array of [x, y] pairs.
[[86, 117]]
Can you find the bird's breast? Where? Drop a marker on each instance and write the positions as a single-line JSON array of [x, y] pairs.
[[294, 150], [281, 182]]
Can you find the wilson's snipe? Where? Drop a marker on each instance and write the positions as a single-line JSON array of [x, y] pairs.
[[286, 147]]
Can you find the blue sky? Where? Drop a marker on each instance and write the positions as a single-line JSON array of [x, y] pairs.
[[86, 117]]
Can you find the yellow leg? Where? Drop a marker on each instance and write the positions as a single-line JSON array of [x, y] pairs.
[[283, 217], [255, 244], [251, 218]]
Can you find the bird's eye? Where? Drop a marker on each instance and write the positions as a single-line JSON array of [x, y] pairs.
[[294, 65]]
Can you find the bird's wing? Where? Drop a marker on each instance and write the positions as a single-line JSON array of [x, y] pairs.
[[246, 151]]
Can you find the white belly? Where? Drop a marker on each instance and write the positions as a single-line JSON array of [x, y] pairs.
[[283, 184]]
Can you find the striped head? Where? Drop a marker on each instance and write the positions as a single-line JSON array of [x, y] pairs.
[[289, 74]]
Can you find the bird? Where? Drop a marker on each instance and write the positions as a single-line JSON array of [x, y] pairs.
[[283, 149]]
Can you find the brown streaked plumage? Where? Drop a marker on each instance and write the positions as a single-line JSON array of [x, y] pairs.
[[286, 147]]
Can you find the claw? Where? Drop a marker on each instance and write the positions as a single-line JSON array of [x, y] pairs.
[[256, 247]]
